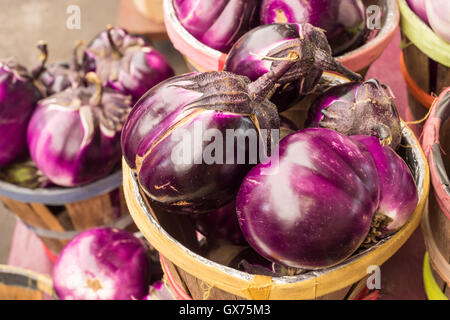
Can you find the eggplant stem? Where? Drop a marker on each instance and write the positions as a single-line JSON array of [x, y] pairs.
[[114, 48], [92, 77], [262, 87], [326, 62], [75, 65], [43, 57]]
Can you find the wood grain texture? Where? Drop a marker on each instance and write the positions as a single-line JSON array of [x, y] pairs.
[[91, 213], [19, 293]]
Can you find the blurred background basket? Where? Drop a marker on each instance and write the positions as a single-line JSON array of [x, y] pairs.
[[200, 57], [21, 284], [425, 61], [152, 9], [436, 221], [57, 214]]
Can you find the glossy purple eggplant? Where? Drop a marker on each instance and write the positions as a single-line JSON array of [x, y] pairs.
[[217, 23], [102, 264], [398, 194], [344, 21], [419, 8], [357, 108], [256, 51], [18, 99], [127, 63], [74, 136], [315, 208], [192, 139]]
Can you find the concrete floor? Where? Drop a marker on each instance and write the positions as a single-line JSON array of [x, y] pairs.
[[24, 22]]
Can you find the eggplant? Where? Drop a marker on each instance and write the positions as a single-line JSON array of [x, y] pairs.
[[217, 23], [314, 209], [358, 108], [256, 51], [344, 21], [18, 99], [125, 62], [74, 136], [102, 264]]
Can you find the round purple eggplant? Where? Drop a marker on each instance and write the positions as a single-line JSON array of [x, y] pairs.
[[18, 99], [357, 108], [419, 8], [102, 264], [344, 21], [125, 62], [217, 23], [74, 136], [256, 51], [398, 195], [314, 209]]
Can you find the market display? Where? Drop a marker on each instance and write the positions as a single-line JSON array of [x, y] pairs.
[[215, 163]]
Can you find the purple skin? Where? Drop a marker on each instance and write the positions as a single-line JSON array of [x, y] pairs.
[[126, 63], [74, 136], [221, 224], [356, 108], [172, 110], [102, 264], [398, 193], [316, 208], [252, 56], [217, 23], [438, 15], [18, 99], [343, 20], [418, 6]]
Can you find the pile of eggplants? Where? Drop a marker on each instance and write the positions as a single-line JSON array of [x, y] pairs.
[[219, 24], [63, 121], [319, 194]]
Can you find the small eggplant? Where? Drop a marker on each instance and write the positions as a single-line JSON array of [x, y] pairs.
[[74, 136], [344, 21], [357, 108], [18, 99], [217, 23], [398, 194], [125, 62], [254, 54]]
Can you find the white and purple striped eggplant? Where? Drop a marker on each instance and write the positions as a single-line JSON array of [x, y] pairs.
[[256, 51], [344, 21], [74, 136], [358, 108], [125, 62], [315, 209], [217, 23], [18, 99], [398, 193], [102, 264]]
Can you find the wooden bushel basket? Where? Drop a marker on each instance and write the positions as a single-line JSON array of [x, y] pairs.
[[436, 221], [21, 284], [57, 214], [198, 277], [425, 61], [200, 57]]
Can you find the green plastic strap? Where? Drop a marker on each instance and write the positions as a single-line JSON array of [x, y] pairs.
[[422, 36], [431, 287]]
